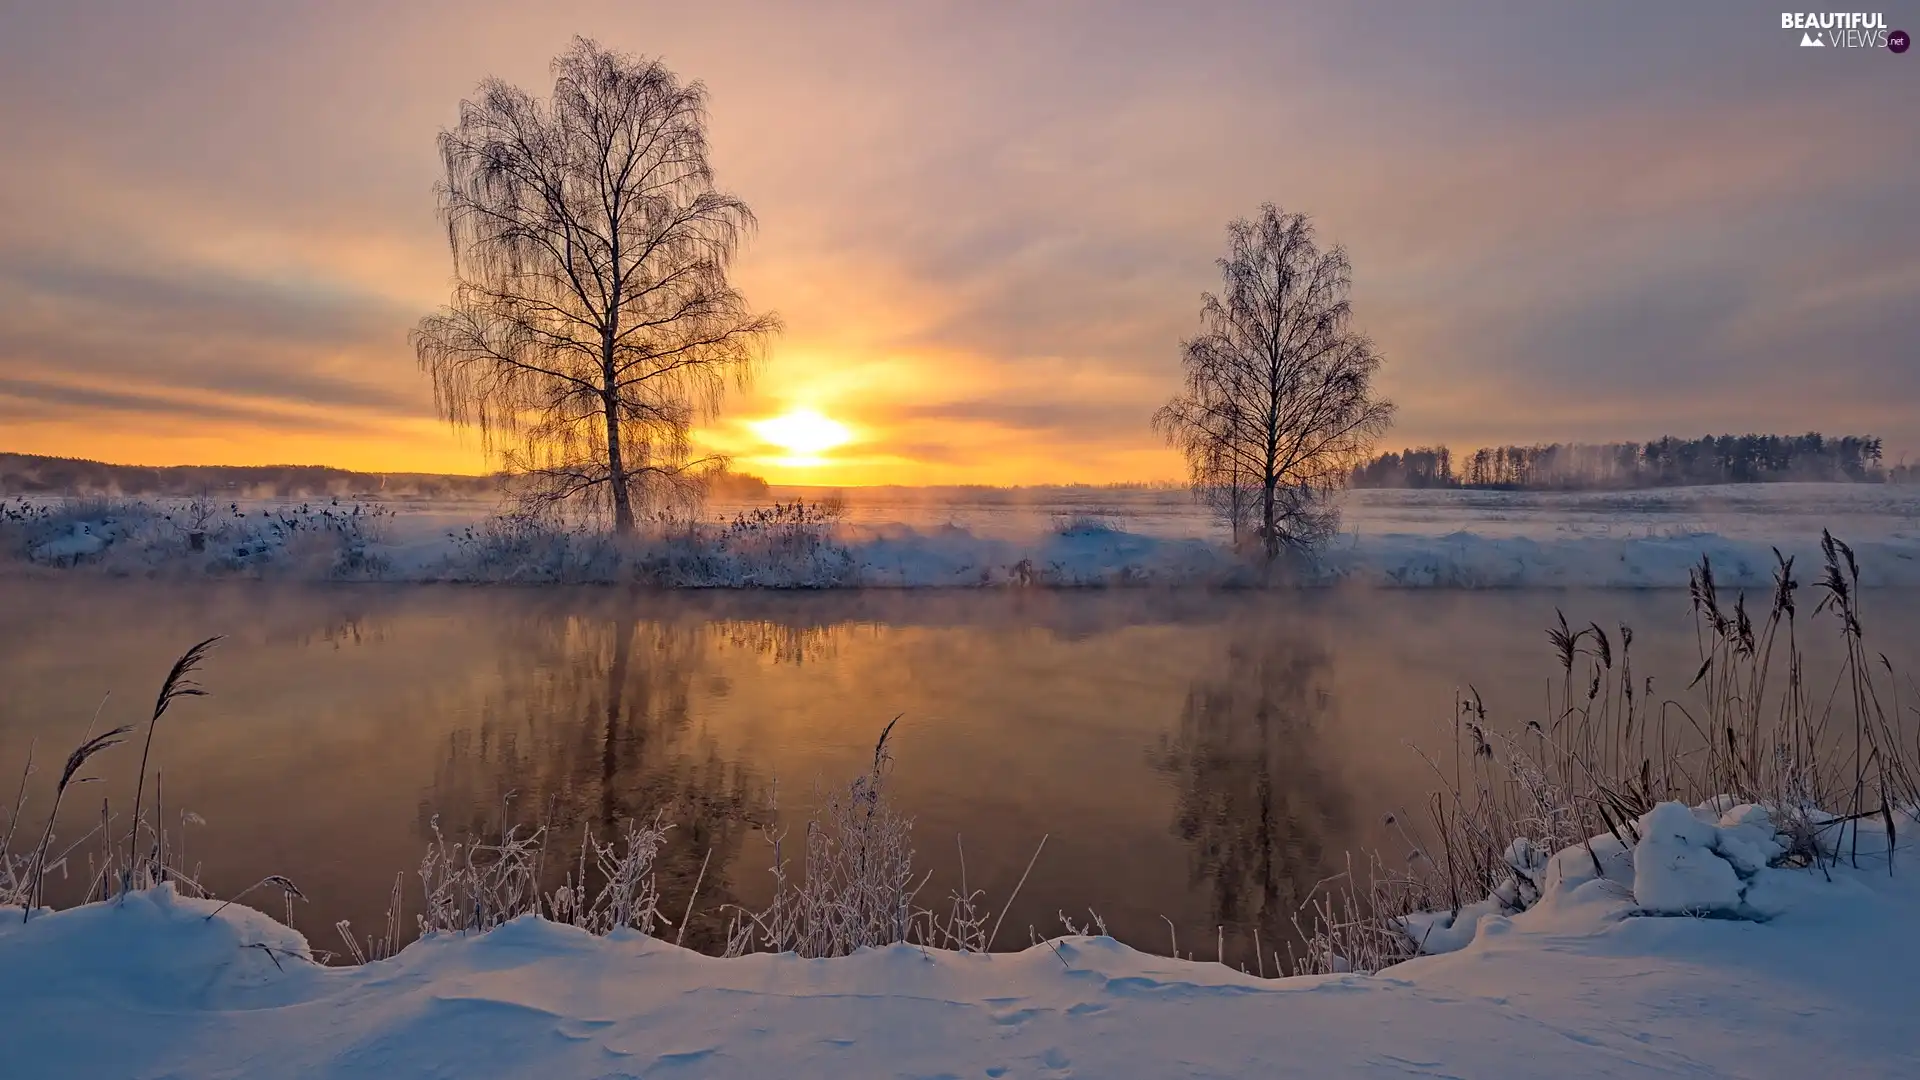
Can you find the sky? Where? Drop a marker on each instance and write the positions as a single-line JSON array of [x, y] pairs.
[[987, 226]]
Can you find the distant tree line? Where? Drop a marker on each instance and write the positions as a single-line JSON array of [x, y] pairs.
[[1417, 467], [1665, 462], [33, 474]]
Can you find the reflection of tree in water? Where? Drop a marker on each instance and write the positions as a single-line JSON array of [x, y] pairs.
[[782, 642], [348, 629], [1254, 804], [589, 725]]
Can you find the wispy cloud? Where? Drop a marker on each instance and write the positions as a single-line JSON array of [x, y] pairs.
[[989, 228]]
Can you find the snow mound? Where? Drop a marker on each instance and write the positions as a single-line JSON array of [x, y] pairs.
[[1715, 860], [79, 543], [157, 949], [1686, 863]]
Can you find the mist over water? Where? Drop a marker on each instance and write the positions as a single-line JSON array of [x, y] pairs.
[[1202, 757]]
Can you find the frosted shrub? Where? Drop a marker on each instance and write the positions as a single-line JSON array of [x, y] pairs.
[[856, 885], [533, 548], [1090, 521], [75, 531], [629, 898], [787, 545], [135, 537], [22, 524], [331, 540], [472, 887]]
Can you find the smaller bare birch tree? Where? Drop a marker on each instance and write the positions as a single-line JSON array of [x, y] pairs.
[[592, 322], [1278, 400]]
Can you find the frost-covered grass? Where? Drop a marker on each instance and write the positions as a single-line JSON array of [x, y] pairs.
[[785, 545], [121, 857], [129, 537], [1088, 521], [854, 885], [1784, 767]]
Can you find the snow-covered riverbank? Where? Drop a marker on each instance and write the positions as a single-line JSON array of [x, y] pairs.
[[1405, 539], [1723, 968]]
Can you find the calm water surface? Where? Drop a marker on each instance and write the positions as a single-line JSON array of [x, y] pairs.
[[1206, 758]]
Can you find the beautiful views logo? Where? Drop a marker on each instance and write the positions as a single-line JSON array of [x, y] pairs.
[[1844, 30]]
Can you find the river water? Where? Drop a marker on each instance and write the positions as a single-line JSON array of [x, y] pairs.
[[1192, 758]]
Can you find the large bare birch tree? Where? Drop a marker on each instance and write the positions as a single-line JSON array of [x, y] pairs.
[[1278, 401], [592, 321]]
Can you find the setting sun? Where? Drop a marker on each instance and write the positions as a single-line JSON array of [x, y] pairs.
[[804, 434]]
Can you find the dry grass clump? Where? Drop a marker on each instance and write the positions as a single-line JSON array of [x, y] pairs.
[[526, 547], [150, 853], [1754, 729], [1089, 521], [472, 887], [854, 886], [783, 545]]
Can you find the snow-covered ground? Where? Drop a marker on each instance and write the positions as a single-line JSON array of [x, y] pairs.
[[1687, 957], [973, 537]]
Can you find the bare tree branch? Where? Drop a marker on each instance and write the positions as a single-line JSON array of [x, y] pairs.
[[592, 322], [1277, 404]]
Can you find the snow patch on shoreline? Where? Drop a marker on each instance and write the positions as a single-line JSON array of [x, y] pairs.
[[459, 543]]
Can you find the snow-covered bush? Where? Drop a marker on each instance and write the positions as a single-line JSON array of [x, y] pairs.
[[472, 887], [132, 537], [855, 886], [533, 548], [1091, 521], [786, 545], [73, 531], [782, 546]]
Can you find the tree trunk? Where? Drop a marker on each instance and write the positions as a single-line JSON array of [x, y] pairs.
[[1269, 534], [616, 465], [617, 470]]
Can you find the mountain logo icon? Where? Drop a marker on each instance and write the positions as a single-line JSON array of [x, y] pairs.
[[1808, 41]]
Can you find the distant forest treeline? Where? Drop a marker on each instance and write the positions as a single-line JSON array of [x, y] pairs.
[[31, 474], [1712, 459]]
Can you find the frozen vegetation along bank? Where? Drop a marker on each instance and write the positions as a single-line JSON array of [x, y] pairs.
[[1595, 980], [1424, 539]]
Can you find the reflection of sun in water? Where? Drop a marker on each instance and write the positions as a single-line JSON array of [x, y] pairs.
[[804, 434]]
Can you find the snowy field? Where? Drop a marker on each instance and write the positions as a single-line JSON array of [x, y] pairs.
[[972, 537], [1685, 955]]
